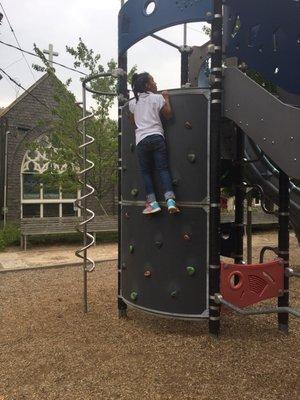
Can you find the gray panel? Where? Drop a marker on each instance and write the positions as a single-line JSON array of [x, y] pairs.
[[161, 247], [190, 178], [273, 125]]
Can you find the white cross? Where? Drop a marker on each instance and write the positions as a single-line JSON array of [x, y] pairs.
[[51, 53]]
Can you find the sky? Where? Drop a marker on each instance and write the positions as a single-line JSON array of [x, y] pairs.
[[62, 22]]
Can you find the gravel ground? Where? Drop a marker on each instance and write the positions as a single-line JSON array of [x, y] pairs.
[[50, 350]]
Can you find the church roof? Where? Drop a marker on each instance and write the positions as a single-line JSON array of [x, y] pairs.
[[4, 111]]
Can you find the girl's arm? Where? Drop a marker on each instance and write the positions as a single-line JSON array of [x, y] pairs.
[[131, 118], [167, 109]]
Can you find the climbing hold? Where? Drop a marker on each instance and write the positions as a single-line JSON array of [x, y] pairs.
[[191, 157], [158, 244], [132, 147], [131, 249], [134, 192], [174, 294], [133, 296], [191, 271], [175, 182], [147, 274], [188, 125], [186, 236]]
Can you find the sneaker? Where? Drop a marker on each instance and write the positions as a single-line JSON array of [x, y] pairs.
[[172, 208], [152, 208]]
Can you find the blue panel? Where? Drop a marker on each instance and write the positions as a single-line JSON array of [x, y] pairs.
[[268, 39], [135, 24]]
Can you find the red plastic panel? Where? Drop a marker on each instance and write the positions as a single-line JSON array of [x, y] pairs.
[[244, 285]]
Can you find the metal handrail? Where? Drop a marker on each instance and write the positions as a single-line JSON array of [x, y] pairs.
[[257, 311]]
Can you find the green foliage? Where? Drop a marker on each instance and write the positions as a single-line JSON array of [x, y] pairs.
[[258, 78], [2, 242], [9, 235], [65, 159]]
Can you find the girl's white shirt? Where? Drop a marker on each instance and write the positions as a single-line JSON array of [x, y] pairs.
[[147, 115]]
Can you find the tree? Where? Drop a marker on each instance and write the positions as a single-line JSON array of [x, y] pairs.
[[61, 146]]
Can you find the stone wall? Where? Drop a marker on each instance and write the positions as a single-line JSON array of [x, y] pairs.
[[23, 118]]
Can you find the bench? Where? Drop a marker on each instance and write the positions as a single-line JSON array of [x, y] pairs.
[[55, 225]]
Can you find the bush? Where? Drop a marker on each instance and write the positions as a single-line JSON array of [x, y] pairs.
[[2, 242], [9, 235]]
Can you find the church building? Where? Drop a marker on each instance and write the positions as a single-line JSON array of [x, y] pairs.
[[21, 193]]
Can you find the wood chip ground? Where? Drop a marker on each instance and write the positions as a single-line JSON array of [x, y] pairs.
[[50, 350]]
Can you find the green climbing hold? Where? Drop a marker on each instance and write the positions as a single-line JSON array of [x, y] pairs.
[[132, 147], [133, 296], [191, 271], [134, 192], [131, 248], [192, 158]]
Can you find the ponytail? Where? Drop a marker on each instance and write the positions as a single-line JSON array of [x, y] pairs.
[[139, 84]]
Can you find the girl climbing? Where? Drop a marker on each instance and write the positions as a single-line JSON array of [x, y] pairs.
[[146, 110]]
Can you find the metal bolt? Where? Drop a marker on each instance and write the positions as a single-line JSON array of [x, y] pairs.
[[292, 137], [147, 274], [262, 120], [295, 159], [273, 142], [264, 139]]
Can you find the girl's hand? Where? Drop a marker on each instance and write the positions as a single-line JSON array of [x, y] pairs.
[[166, 95]]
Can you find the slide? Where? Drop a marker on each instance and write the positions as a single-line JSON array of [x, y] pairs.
[[272, 128]]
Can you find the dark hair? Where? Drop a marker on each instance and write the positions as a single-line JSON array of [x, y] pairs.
[[139, 83]]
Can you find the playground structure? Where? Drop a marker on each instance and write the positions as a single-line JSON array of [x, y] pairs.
[[229, 132]]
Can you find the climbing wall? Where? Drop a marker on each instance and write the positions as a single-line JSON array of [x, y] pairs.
[[164, 257]]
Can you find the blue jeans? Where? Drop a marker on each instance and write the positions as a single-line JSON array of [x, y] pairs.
[[152, 155]]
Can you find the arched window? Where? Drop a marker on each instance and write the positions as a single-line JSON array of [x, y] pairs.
[[38, 199]]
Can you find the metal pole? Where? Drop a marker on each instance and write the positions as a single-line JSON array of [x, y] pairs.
[[185, 53], [239, 198], [165, 41], [283, 245], [215, 168], [122, 90], [249, 228], [5, 179], [85, 288]]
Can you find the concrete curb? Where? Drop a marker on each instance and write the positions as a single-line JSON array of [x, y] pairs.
[[52, 266]]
